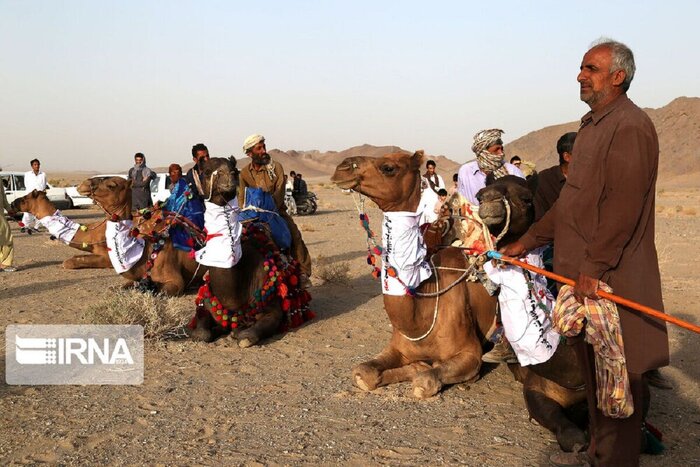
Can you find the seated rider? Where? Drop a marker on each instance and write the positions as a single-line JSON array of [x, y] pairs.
[[184, 202], [264, 173]]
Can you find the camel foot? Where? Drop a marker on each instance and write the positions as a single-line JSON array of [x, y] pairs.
[[426, 385], [366, 377], [202, 335], [247, 339], [569, 437]]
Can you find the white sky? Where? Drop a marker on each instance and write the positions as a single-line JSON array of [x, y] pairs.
[[86, 84]]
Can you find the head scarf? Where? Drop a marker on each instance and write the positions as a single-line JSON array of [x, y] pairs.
[[489, 162], [251, 141]]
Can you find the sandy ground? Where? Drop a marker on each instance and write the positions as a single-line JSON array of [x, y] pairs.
[[291, 401]]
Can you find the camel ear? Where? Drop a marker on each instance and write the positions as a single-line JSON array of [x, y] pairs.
[[417, 159], [129, 182]]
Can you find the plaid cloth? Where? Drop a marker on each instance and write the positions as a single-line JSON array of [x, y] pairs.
[[604, 334]]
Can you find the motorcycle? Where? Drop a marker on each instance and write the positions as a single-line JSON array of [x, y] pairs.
[[306, 203]]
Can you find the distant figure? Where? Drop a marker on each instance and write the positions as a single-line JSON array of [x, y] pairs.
[[442, 197], [488, 147], [140, 177], [33, 180], [516, 161], [551, 180], [436, 182], [300, 187], [7, 248], [289, 193], [455, 185], [200, 154], [184, 203], [428, 199]]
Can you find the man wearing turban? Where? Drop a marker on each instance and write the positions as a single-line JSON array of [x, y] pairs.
[[263, 172], [488, 148]]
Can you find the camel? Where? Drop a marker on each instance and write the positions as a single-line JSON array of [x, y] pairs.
[[254, 305], [172, 270], [451, 352], [89, 238]]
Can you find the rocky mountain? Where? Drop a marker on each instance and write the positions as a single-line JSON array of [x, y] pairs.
[[678, 126]]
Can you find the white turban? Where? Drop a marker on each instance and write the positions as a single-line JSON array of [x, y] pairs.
[[251, 141]]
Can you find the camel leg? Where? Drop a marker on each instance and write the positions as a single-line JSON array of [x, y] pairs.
[[206, 328], [386, 368], [173, 286], [87, 262], [267, 324], [463, 367], [550, 415]]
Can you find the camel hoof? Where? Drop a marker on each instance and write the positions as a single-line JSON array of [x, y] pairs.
[[201, 334], [569, 437], [425, 385], [247, 339], [360, 383]]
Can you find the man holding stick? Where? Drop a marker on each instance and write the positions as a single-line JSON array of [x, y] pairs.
[[602, 226]]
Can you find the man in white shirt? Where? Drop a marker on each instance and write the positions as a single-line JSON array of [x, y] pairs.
[[33, 180], [434, 179], [488, 148]]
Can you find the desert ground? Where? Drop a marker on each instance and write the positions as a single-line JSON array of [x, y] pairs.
[[290, 401]]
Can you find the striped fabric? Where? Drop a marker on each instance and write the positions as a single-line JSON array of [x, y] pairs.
[[603, 332]]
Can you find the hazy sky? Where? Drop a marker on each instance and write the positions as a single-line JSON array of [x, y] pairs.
[[86, 84]]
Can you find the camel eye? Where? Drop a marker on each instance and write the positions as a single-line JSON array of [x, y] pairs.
[[387, 169]]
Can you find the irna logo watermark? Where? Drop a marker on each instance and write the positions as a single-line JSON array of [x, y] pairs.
[[74, 354]]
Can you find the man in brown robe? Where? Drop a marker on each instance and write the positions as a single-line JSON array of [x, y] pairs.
[[603, 230], [263, 172]]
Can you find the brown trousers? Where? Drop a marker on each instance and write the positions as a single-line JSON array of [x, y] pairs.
[[614, 441], [298, 248]]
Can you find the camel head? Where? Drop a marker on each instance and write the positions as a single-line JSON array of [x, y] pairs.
[[35, 202], [112, 194], [392, 181], [219, 180], [493, 211]]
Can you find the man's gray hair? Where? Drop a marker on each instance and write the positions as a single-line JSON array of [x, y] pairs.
[[622, 59]]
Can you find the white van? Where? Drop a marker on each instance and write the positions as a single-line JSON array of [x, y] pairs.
[[15, 188], [160, 189]]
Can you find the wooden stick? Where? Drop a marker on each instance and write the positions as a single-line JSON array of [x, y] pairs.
[[617, 299]]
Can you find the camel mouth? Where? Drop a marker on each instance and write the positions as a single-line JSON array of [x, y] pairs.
[[347, 184]]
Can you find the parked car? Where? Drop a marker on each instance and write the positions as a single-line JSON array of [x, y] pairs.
[[15, 188], [160, 189]]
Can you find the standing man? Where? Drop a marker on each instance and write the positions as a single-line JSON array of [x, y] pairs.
[[263, 172], [200, 154], [603, 231], [434, 179], [140, 177], [33, 180], [488, 147], [550, 181], [7, 248]]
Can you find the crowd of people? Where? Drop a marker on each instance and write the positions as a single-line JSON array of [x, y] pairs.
[[596, 207]]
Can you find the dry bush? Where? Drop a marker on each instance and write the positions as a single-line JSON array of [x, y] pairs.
[[679, 208], [659, 209], [689, 211], [332, 271], [161, 317]]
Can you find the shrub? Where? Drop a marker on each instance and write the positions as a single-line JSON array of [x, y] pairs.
[[332, 271], [161, 317]]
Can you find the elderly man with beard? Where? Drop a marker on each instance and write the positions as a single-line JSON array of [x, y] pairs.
[[263, 172], [602, 225], [488, 148]]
